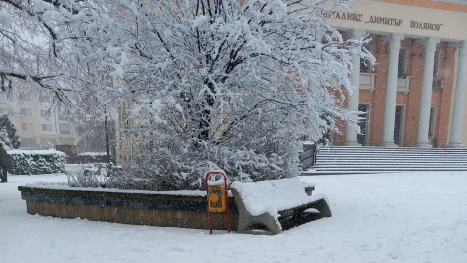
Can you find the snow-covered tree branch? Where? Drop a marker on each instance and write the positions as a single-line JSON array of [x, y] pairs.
[[231, 84], [53, 46]]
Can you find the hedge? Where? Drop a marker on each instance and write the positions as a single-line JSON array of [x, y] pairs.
[[88, 157], [36, 162]]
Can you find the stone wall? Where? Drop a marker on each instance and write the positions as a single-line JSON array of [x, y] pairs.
[[168, 210]]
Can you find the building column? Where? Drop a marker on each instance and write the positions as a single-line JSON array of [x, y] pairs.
[[351, 134], [459, 98], [427, 89], [391, 91]]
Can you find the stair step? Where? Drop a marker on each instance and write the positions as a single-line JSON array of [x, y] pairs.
[[357, 171], [352, 161], [413, 160], [319, 173], [392, 148], [363, 168], [373, 159], [390, 165], [391, 153]]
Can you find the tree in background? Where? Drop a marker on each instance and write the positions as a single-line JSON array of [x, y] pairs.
[[8, 133], [92, 137]]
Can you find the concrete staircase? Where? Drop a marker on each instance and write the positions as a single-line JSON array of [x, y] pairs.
[[370, 159]]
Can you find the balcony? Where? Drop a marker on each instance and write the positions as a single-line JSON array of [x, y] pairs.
[[367, 81], [403, 84]]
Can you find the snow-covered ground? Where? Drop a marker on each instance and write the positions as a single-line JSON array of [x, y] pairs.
[[416, 217]]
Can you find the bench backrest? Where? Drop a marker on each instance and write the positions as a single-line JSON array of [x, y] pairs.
[[271, 196]]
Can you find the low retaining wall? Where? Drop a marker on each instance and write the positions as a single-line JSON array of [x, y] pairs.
[[169, 209]]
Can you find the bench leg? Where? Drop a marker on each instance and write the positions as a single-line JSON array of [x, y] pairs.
[[271, 224], [323, 208], [245, 222]]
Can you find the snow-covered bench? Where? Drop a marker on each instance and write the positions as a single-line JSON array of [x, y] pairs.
[[264, 203]]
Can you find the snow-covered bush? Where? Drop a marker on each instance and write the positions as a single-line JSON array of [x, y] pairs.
[[81, 178], [8, 133], [36, 162], [88, 157]]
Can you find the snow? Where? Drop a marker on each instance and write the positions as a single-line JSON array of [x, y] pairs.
[[385, 218], [41, 152], [93, 153], [273, 196], [64, 186], [220, 182], [5, 18]]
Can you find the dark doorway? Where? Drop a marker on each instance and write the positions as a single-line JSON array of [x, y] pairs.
[[431, 128], [326, 138], [398, 124], [363, 123]]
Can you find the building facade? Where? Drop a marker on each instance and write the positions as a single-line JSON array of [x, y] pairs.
[[415, 93], [38, 124]]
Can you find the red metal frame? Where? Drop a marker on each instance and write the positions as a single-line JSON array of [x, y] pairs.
[[226, 198]]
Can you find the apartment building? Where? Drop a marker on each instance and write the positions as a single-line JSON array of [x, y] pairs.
[[38, 123]]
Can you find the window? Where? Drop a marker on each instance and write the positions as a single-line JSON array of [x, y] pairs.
[[63, 117], [28, 142], [47, 127], [125, 116], [365, 65], [46, 113], [402, 61], [47, 143], [44, 98], [24, 97], [66, 141], [26, 126], [431, 128], [64, 128], [25, 112], [6, 111], [436, 67]]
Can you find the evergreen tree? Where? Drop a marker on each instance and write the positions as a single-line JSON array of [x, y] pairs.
[[8, 133]]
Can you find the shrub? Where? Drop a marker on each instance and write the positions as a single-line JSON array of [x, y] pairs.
[[36, 162], [81, 179], [88, 157], [8, 133]]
